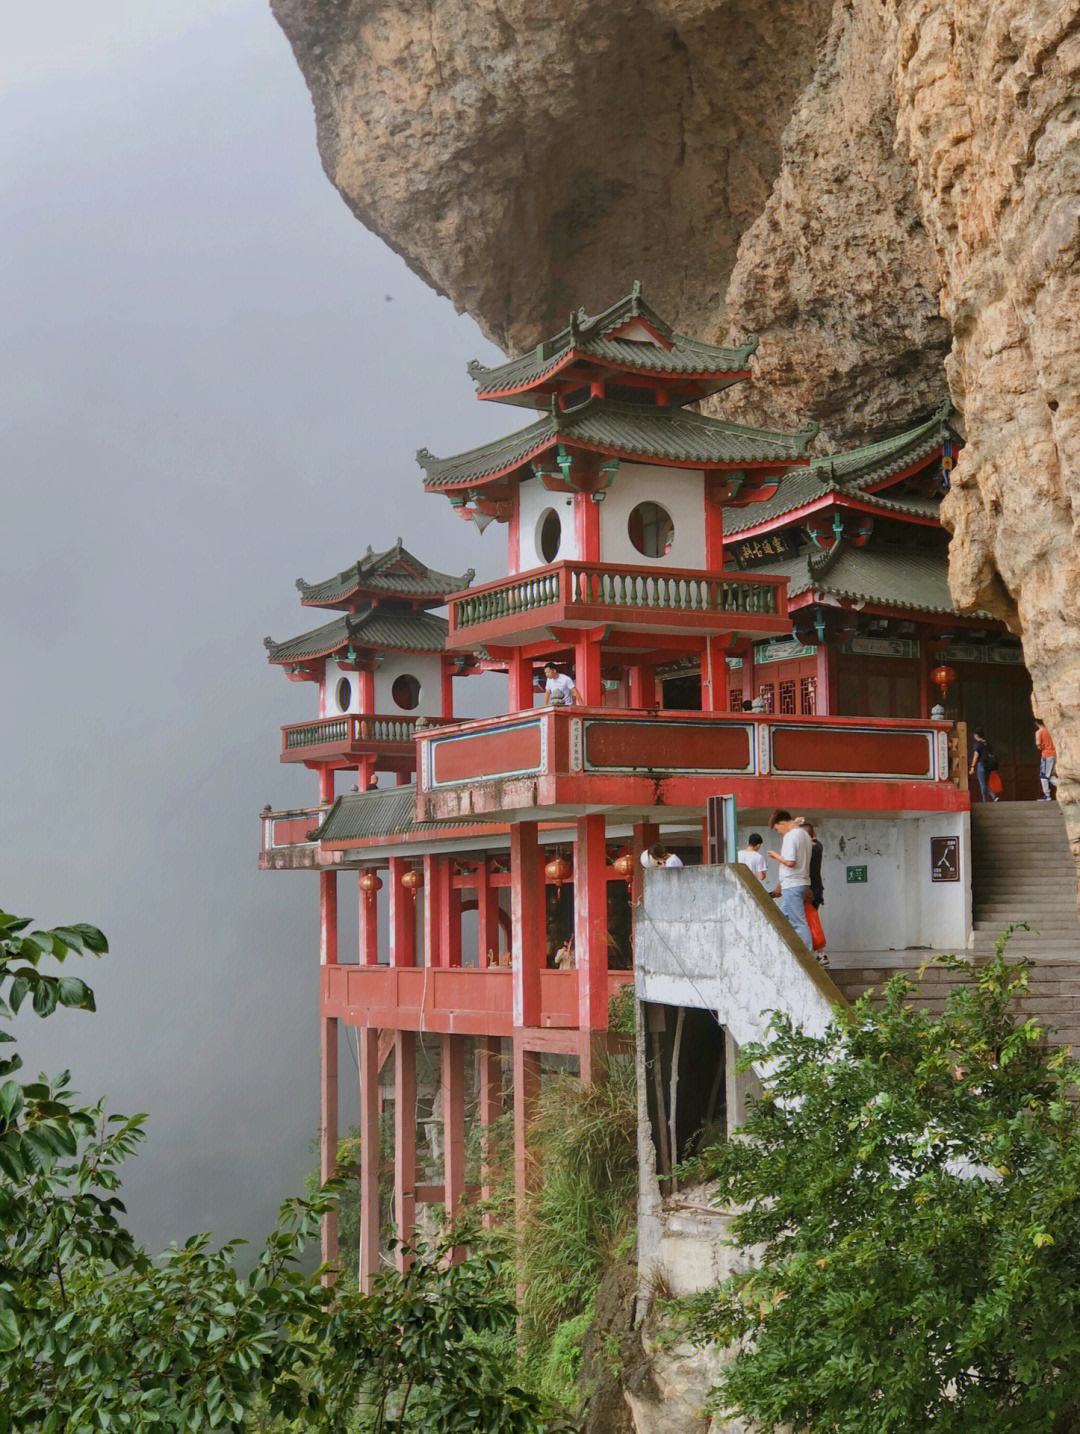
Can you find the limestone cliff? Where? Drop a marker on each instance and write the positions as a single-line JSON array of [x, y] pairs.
[[871, 185]]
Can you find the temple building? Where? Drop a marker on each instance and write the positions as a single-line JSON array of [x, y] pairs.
[[676, 565]]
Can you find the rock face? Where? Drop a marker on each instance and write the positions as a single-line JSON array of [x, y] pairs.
[[871, 185]]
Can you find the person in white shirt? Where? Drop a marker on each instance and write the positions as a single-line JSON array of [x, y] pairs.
[[751, 856], [794, 858], [560, 689], [658, 855]]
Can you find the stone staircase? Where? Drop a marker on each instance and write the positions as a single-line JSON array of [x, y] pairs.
[[1022, 870]]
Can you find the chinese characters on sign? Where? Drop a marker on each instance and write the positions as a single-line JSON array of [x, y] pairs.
[[945, 858], [772, 545]]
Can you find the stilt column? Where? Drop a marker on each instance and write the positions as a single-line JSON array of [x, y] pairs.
[[452, 1061], [404, 1138], [526, 1089], [369, 1155], [590, 923], [489, 1082]]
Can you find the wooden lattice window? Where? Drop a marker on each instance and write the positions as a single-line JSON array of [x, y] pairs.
[[767, 693], [735, 700], [807, 696], [787, 698]]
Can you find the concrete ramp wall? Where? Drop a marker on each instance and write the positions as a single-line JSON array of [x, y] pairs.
[[711, 937]]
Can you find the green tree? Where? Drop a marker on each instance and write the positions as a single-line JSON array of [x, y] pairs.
[[97, 1335], [911, 1184]]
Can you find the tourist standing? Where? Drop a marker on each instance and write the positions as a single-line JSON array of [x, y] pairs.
[[817, 852], [794, 859], [560, 689], [1047, 761], [983, 762], [751, 856]]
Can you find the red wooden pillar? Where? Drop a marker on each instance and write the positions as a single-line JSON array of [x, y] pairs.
[[825, 701], [714, 675], [452, 1063], [526, 1089], [645, 834], [587, 672], [404, 1138], [489, 1083], [527, 921], [587, 527], [487, 916], [446, 688], [369, 1155], [434, 906], [328, 1130], [519, 671], [328, 1061], [643, 686], [369, 924], [590, 922], [714, 530], [402, 917]]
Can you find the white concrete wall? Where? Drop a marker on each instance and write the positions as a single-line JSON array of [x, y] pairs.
[[334, 674], [899, 907], [425, 666], [533, 501], [680, 490]]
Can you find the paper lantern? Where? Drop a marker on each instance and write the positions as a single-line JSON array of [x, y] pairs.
[[557, 870], [370, 883], [943, 677], [413, 879]]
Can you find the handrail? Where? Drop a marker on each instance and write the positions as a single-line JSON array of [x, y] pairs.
[[578, 584], [351, 728]]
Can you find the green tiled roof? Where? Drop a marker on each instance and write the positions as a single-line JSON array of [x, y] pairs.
[[394, 571], [591, 334], [376, 814], [902, 577], [850, 472], [664, 434], [375, 626]]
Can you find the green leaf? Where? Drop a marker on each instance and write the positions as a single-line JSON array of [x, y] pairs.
[[11, 1099], [9, 1331]]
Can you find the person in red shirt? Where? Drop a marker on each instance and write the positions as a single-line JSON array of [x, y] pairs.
[[1047, 761]]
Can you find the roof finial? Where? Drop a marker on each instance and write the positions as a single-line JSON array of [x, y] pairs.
[[635, 295], [301, 584], [573, 326], [269, 644], [368, 551]]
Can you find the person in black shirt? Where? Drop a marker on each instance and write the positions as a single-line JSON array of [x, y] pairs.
[[817, 851], [982, 764]]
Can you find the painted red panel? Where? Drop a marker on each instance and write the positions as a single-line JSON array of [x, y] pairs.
[[486, 754], [692, 745], [288, 830], [851, 752]]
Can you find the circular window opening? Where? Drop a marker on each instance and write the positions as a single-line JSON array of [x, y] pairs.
[[344, 695], [406, 691], [651, 530], [548, 535]]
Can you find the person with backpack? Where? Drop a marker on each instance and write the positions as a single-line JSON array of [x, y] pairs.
[[983, 762]]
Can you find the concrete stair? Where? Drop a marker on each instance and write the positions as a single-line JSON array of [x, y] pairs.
[[1022, 870]]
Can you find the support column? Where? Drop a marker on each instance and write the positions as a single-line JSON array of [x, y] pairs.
[[590, 922], [404, 1139], [643, 686], [446, 688], [489, 1082], [527, 921], [369, 925], [328, 949], [434, 900], [587, 672], [714, 675], [452, 1069], [526, 1089], [328, 1131], [402, 917], [825, 688], [519, 671], [369, 1155], [487, 916], [587, 527], [714, 529]]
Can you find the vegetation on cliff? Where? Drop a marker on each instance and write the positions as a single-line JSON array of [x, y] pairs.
[[911, 1183]]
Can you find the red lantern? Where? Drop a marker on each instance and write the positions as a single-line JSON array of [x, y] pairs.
[[624, 865], [413, 879], [370, 882], [557, 871], [943, 677]]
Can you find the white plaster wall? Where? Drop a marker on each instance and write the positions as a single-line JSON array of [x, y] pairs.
[[334, 675], [425, 666], [899, 907], [533, 500], [680, 490]]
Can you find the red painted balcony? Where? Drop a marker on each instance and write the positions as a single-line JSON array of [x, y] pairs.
[[286, 843], [520, 609], [463, 1000], [339, 741], [556, 761]]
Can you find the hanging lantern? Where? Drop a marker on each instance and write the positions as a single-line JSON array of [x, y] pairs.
[[370, 883], [557, 871], [943, 677], [624, 866], [413, 879]]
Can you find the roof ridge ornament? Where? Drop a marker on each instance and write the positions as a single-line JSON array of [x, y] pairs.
[[635, 297], [302, 586]]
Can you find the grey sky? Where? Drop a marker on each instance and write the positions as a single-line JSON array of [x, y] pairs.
[[206, 393]]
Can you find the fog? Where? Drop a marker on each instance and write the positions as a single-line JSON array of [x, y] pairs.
[[214, 382]]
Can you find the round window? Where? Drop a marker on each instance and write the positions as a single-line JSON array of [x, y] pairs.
[[344, 695], [548, 535], [406, 691], [651, 530]]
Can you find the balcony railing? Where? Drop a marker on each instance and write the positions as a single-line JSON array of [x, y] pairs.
[[352, 735], [651, 595]]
